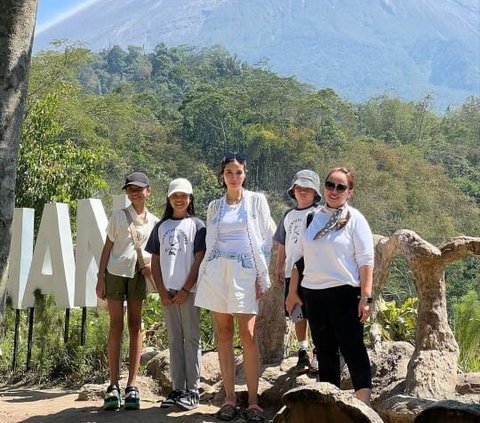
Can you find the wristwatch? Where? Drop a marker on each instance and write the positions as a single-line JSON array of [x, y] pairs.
[[366, 299]]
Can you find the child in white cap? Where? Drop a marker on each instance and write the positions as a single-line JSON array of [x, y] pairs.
[[177, 245]]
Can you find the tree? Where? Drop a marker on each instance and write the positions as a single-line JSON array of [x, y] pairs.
[[17, 24], [432, 369]]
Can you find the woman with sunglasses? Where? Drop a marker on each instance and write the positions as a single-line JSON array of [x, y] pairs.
[[233, 276], [337, 249]]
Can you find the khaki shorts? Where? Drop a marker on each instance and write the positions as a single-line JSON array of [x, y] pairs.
[[123, 288]]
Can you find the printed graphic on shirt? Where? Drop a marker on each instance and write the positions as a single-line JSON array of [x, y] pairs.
[[295, 229], [174, 241]]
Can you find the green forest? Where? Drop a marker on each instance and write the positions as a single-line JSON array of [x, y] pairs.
[[93, 117]]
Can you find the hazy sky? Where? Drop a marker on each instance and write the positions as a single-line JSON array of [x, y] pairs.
[[51, 11]]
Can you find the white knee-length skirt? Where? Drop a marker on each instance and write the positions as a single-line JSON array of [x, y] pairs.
[[227, 287]]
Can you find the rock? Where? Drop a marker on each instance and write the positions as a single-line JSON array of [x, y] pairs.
[[402, 408], [147, 354], [276, 380], [159, 369], [92, 392], [323, 402], [389, 368], [468, 383], [449, 411], [210, 373], [432, 373], [146, 386]]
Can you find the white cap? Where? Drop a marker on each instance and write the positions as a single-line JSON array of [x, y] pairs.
[[180, 185]]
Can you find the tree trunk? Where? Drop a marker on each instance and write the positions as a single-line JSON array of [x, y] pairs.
[[17, 24], [271, 323], [432, 370]]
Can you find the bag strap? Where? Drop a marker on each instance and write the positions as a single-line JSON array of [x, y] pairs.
[[135, 239], [309, 217], [300, 264], [138, 248]]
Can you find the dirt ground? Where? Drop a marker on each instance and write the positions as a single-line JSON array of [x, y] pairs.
[[30, 405]]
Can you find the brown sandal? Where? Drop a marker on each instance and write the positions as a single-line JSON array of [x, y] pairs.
[[227, 412], [254, 414]]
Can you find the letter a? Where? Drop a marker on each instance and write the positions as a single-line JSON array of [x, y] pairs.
[[53, 266]]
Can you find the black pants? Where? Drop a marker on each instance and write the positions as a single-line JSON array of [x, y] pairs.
[[335, 325]]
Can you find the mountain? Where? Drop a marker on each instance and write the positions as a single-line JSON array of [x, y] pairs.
[[408, 48]]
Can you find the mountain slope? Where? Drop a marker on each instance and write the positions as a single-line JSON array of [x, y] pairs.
[[408, 47]]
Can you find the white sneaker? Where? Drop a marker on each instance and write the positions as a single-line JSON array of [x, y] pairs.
[[189, 400], [172, 398]]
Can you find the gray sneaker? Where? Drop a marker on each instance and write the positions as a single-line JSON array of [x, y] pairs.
[[172, 398], [189, 400]]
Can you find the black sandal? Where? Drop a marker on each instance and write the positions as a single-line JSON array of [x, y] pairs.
[[227, 412], [254, 414]]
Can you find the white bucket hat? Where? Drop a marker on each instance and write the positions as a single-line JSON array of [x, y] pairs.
[[306, 179]]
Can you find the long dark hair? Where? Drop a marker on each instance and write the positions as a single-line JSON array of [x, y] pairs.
[[168, 213], [232, 157]]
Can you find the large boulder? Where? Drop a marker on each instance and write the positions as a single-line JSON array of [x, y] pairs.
[[210, 372], [450, 411], [159, 369], [324, 403], [389, 369], [402, 408], [93, 392]]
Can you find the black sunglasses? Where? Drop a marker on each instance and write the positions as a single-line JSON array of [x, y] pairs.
[[338, 187], [233, 155]]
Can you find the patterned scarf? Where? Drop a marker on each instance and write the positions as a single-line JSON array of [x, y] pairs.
[[333, 222]]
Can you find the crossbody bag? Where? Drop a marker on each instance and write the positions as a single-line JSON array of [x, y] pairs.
[[138, 249]]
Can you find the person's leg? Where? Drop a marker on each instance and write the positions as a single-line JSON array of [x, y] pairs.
[[134, 316], [349, 334], [173, 321], [323, 335], [190, 321], [251, 355], [303, 362], [224, 328], [301, 331], [115, 310], [192, 351], [365, 395]]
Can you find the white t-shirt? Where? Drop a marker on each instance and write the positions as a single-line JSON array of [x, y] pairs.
[[232, 230], [123, 257], [335, 259], [176, 241], [289, 232]]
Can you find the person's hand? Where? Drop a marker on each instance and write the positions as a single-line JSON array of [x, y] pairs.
[[292, 299], [100, 288], [165, 297], [180, 297], [280, 276], [146, 271], [364, 310]]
